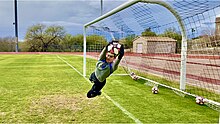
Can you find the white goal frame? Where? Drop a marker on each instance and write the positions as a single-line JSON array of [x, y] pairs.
[[182, 86], [159, 2]]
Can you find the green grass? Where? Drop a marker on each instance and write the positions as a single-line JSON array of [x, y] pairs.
[[43, 89], [204, 92]]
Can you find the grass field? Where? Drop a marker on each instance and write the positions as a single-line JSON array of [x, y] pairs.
[[46, 88]]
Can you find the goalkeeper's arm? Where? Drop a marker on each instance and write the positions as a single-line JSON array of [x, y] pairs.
[[121, 52], [117, 61], [102, 55]]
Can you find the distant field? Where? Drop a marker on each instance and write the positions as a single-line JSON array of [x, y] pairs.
[[49, 88]]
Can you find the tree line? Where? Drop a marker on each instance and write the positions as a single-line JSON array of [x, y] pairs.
[[42, 38], [7, 44]]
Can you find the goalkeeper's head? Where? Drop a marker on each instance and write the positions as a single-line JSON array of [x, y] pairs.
[[110, 57]]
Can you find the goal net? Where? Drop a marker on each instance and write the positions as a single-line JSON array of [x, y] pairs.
[[177, 41]]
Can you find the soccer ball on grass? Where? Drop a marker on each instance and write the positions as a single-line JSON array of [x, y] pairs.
[[155, 90], [200, 100], [133, 76]]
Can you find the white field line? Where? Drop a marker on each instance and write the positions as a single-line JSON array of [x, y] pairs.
[[108, 97], [119, 74], [219, 118]]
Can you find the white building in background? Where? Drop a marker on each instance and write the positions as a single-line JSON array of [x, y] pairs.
[[154, 45]]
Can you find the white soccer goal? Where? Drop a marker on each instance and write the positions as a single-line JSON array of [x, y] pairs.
[[178, 40]]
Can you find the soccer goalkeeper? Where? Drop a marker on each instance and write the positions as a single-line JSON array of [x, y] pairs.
[[105, 67]]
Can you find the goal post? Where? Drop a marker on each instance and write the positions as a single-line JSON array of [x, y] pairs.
[[162, 3], [170, 39]]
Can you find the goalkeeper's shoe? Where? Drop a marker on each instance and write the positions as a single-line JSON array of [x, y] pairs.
[[93, 93], [99, 93]]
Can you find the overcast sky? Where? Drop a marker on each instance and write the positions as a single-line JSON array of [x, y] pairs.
[[72, 14]]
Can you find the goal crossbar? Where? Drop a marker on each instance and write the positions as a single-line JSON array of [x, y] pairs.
[[159, 2], [189, 23]]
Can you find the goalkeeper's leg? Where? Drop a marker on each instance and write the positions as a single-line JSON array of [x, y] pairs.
[[96, 89], [92, 92]]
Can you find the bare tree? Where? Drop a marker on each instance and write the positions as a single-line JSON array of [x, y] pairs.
[[40, 37]]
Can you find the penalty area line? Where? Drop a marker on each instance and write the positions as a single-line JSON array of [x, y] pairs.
[[106, 96]]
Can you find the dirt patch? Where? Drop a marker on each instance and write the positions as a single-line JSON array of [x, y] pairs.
[[56, 103]]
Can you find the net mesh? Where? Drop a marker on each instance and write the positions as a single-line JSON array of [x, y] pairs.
[[152, 38]]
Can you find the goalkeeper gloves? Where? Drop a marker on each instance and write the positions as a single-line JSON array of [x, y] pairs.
[[121, 52]]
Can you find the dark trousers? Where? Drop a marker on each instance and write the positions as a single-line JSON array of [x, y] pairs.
[[97, 86]]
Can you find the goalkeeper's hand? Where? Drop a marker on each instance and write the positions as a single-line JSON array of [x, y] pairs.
[[108, 45], [121, 52]]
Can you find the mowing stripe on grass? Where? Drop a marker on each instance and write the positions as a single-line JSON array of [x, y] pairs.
[[108, 97]]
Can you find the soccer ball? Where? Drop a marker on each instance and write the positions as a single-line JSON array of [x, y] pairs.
[[155, 90], [200, 100], [114, 48], [133, 76]]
